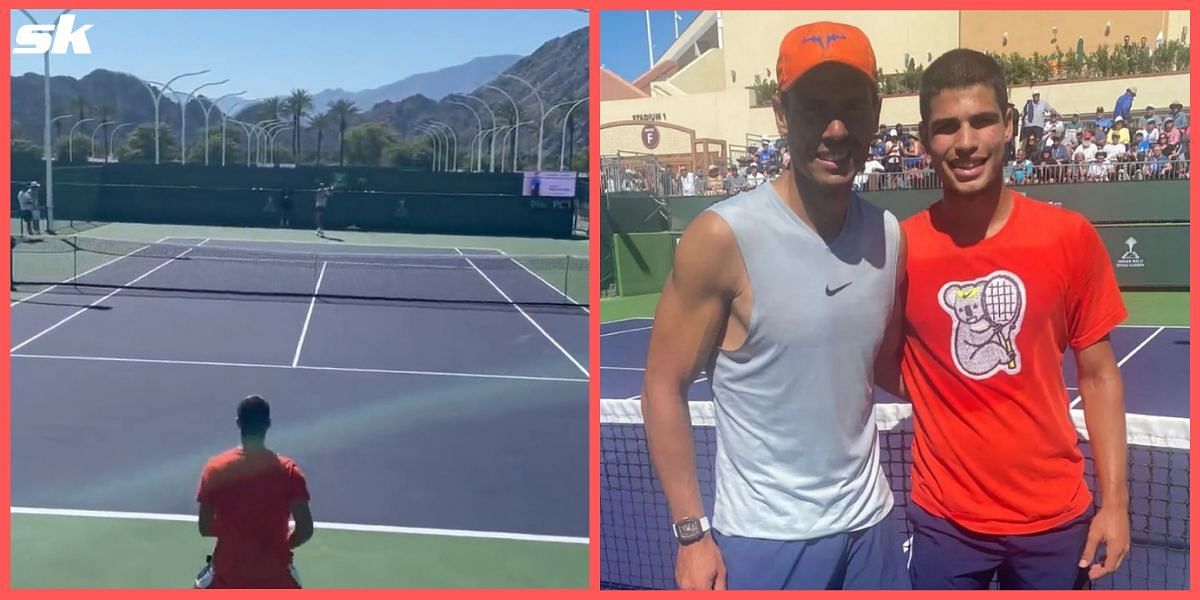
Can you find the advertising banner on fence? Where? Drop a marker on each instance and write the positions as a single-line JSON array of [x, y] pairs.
[[551, 184]]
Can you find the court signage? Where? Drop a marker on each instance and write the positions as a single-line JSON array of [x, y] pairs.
[[650, 137], [61, 38]]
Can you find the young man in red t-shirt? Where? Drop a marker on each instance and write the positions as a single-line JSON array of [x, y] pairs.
[[998, 286], [246, 496]]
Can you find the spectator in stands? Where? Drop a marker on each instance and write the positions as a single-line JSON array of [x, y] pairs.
[[876, 149], [1087, 149], [687, 181], [1097, 170], [1035, 112], [1022, 169], [868, 180], [754, 177], [913, 153], [1121, 130], [1158, 165], [1147, 116], [766, 154], [1152, 131], [714, 185], [734, 182], [1177, 114], [1059, 156], [772, 172], [1124, 103], [1141, 146], [787, 158], [1032, 148], [893, 167]]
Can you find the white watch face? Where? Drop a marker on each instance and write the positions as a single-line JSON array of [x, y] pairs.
[[689, 529]]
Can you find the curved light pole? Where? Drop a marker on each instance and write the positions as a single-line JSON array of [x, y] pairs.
[[516, 119], [568, 102], [260, 138], [454, 139], [158, 96], [245, 129], [225, 117], [275, 134], [112, 139], [541, 107], [49, 154], [266, 134], [562, 146], [183, 116], [432, 138], [439, 146], [98, 128], [511, 129], [71, 139], [211, 104], [492, 160], [55, 120], [479, 129]]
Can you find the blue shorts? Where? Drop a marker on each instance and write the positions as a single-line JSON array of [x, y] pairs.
[[948, 557], [868, 559]]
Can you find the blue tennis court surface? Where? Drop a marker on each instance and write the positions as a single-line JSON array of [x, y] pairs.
[[416, 387], [637, 550]]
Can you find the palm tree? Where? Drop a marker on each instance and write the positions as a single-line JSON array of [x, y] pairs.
[[298, 104], [273, 106], [319, 123], [341, 110], [80, 105]]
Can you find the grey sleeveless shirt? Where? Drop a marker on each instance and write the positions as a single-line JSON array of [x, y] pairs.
[[797, 446]]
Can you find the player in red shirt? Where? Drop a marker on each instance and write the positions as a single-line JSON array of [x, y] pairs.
[[998, 286], [246, 496]]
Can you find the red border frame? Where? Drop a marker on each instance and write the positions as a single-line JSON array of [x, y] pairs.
[[594, 248]]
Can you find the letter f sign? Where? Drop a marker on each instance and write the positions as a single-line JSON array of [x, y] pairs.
[[38, 39]]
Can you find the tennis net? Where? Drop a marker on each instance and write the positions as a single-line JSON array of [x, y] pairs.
[[79, 264], [637, 550]]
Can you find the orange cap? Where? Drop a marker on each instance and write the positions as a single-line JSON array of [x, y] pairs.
[[816, 43]]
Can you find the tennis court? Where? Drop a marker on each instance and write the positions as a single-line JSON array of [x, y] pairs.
[[637, 549], [436, 398]]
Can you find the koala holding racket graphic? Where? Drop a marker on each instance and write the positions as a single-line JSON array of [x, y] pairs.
[[987, 315]]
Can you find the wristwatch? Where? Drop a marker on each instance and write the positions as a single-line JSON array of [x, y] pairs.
[[690, 530]]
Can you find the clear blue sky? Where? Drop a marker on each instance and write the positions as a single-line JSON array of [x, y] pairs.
[[270, 52], [623, 38]]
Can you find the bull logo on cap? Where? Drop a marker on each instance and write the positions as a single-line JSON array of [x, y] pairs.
[[829, 39]]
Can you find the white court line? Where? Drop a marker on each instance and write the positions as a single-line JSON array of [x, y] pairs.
[[106, 297], [311, 304], [201, 363], [265, 244], [539, 277], [626, 331], [623, 368], [626, 320], [142, 516], [1124, 360], [87, 272], [527, 317]]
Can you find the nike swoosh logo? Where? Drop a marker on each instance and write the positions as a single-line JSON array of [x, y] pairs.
[[829, 292]]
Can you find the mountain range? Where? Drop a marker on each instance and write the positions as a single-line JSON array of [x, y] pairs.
[[558, 69]]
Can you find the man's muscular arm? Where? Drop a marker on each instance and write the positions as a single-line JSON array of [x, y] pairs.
[[692, 311]]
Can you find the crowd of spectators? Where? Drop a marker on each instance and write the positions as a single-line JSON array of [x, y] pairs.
[[1117, 145]]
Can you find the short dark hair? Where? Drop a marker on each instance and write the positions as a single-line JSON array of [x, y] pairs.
[[958, 69], [254, 416]]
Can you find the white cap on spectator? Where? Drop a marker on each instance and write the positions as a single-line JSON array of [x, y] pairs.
[[1133, 89], [1119, 119], [893, 132], [1037, 93]]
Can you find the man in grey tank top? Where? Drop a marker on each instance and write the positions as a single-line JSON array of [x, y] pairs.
[[785, 295]]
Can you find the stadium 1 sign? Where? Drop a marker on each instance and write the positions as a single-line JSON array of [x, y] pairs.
[[57, 39], [650, 117]]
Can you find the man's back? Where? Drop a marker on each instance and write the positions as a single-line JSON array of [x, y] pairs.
[[251, 494]]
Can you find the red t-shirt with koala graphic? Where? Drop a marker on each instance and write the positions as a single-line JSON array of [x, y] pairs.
[[986, 329]]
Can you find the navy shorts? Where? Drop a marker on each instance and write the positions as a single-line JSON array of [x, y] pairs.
[[948, 557], [868, 559]]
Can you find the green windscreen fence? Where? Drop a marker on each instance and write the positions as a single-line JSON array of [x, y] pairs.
[[642, 261]]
